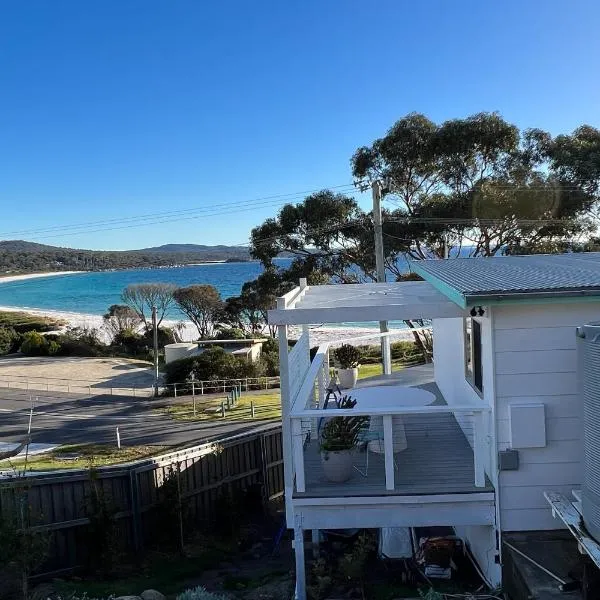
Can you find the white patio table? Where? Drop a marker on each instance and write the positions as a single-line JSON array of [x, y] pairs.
[[381, 397]]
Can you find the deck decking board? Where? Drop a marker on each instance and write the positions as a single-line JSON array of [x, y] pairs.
[[438, 460]]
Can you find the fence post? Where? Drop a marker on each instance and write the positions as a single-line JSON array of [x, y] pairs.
[[135, 509], [175, 389], [202, 387], [118, 438], [263, 469], [89, 390], [266, 384], [223, 409], [194, 397], [246, 384], [252, 414]]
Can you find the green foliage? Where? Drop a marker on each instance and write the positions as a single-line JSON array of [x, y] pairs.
[[202, 304], [29, 257], [353, 564], [348, 356], [34, 344], [23, 549], [141, 297], [101, 532], [320, 579], [342, 433], [199, 593], [10, 340], [214, 363], [23, 322], [80, 341], [230, 333]]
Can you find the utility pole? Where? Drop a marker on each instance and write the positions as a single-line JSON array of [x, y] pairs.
[[155, 332], [380, 264]]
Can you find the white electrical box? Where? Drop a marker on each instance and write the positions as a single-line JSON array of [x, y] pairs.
[[527, 423]]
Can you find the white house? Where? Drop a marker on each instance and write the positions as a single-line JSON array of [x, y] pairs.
[[506, 424]]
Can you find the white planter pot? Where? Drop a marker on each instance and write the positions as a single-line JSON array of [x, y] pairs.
[[348, 377], [337, 465]]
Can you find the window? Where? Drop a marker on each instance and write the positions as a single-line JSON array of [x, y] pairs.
[[473, 365]]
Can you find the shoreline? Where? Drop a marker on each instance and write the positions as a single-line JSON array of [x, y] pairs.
[[25, 276], [188, 332]]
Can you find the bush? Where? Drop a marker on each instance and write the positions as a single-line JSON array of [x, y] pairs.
[[10, 340], [230, 333], [199, 593], [34, 344], [80, 341], [347, 356], [214, 363], [23, 322]]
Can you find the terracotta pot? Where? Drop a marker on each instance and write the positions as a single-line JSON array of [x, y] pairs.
[[348, 377], [337, 464]]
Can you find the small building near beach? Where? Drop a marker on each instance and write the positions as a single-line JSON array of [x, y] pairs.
[[247, 349]]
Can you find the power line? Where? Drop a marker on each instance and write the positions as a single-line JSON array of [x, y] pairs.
[[183, 213]]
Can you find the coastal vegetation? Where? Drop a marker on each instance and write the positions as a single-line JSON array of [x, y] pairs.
[[18, 256]]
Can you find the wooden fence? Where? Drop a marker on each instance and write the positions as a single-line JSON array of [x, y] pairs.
[[205, 475]]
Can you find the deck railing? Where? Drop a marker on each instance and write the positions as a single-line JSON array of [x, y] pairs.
[[308, 408]]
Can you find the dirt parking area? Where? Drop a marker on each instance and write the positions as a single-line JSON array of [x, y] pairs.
[[94, 372]]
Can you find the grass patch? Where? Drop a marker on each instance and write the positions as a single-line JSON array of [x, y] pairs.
[[266, 406], [22, 322], [78, 456], [374, 369]]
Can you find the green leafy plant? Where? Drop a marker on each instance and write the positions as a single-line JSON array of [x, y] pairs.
[[342, 433], [348, 356], [320, 579], [199, 593]]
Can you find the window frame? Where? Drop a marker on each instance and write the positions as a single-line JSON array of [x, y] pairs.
[[473, 354]]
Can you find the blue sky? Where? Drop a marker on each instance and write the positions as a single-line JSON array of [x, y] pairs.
[[117, 108]]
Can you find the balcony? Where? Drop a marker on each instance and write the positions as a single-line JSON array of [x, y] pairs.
[[445, 445]]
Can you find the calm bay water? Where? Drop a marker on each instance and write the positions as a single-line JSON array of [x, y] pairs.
[[93, 293]]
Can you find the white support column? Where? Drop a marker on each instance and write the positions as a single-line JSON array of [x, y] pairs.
[[316, 540], [388, 446], [479, 449], [299, 552], [286, 434], [298, 453]]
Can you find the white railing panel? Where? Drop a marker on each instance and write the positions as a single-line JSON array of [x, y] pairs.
[[299, 364]]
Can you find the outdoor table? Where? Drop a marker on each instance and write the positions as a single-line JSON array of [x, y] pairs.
[[382, 397]]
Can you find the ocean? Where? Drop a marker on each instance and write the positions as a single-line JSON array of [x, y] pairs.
[[93, 293]]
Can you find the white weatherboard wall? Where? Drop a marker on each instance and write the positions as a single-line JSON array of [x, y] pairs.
[[536, 362], [449, 368]]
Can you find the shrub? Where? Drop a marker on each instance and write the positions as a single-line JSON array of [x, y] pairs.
[[10, 340], [347, 356], [230, 333], [214, 363], [80, 341], [199, 593], [34, 344], [23, 322]]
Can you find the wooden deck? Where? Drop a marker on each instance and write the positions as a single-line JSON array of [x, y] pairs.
[[438, 459]]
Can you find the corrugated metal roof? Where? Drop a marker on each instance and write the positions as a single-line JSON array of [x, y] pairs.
[[548, 274]]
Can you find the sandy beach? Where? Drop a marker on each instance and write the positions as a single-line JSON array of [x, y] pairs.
[[188, 332], [11, 278]]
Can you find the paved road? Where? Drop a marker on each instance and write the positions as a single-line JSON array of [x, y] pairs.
[[61, 418]]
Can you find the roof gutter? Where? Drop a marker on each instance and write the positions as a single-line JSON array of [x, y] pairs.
[[582, 295]]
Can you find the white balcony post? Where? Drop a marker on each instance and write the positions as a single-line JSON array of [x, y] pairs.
[[298, 453], [478, 449], [286, 436], [388, 447], [299, 552]]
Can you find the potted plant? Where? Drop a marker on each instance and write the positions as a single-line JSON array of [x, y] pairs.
[[339, 437], [348, 358]]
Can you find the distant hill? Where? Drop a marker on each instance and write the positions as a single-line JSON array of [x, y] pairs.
[[193, 248], [20, 256]]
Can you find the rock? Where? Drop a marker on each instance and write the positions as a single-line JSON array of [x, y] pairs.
[[152, 595], [128, 598]]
